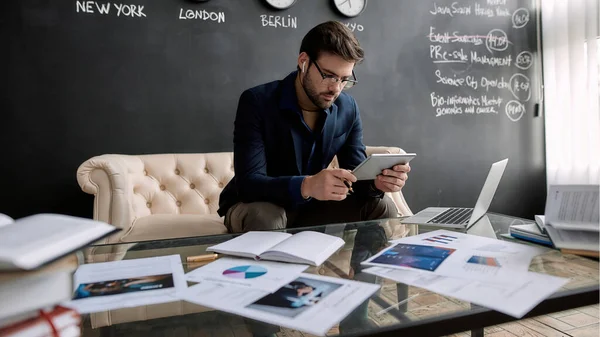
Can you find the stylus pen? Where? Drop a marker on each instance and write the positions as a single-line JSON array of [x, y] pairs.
[[396, 305], [348, 185]]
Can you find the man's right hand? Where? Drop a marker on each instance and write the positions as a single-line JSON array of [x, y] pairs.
[[328, 184]]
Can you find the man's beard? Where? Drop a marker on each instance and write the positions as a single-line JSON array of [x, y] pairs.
[[314, 96]]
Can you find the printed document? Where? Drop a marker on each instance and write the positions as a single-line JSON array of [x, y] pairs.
[[515, 297], [127, 283], [263, 275], [309, 303], [447, 253]]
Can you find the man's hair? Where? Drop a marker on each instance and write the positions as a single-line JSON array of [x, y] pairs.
[[332, 37]]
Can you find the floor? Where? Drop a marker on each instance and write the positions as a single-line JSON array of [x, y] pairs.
[[582, 322]]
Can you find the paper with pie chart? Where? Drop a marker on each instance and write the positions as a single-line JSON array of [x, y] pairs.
[[247, 273]]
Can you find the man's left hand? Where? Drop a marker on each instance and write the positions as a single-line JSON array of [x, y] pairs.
[[392, 180]]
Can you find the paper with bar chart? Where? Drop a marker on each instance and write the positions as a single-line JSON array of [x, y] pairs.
[[453, 254], [247, 273]]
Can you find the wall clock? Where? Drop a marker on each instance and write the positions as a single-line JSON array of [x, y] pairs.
[[350, 8], [281, 4]]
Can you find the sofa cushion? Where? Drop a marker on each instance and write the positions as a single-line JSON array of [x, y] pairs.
[[167, 226]]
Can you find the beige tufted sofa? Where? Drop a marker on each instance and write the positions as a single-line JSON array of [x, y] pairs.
[[162, 196]]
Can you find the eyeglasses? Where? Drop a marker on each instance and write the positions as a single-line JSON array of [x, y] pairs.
[[331, 79]]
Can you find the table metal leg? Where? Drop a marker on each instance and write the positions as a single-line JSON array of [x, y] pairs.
[[402, 290], [477, 333]]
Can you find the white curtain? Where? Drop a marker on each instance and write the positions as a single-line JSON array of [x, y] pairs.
[[570, 33]]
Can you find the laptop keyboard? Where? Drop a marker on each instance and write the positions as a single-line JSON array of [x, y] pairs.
[[453, 216]]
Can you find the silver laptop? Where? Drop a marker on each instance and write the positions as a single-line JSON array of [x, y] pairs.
[[462, 218]]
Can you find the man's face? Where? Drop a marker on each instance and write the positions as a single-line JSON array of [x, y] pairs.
[[323, 93]]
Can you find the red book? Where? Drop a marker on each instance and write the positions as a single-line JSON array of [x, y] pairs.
[[60, 321]]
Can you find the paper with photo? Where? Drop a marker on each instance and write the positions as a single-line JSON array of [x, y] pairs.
[[460, 255], [127, 283], [310, 303], [515, 298], [264, 275]]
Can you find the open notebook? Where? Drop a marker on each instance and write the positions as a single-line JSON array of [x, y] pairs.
[[306, 247], [36, 240]]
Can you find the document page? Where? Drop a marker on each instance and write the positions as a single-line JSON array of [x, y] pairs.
[[310, 303], [127, 283], [515, 297], [249, 274], [573, 205], [309, 245], [250, 244], [574, 239], [447, 253]]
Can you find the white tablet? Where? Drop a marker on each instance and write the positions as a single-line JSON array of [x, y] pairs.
[[375, 163]]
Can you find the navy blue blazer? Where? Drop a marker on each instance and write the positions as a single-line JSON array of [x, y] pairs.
[[268, 150]]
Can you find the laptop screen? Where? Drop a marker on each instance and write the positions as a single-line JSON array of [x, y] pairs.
[[488, 191]]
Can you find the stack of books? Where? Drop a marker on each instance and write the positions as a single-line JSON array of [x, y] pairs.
[[570, 221], [38, 256], [530, 232]]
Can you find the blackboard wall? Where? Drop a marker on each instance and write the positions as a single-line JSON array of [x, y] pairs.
[[78, 83]]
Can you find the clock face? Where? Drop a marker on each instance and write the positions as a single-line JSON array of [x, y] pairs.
[[281, 4], [350, 8]]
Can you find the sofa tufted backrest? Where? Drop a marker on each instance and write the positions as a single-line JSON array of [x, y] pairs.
[[178, 183], [129, 187]]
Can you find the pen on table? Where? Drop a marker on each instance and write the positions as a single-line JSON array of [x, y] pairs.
[[202, 258], [396, 305]]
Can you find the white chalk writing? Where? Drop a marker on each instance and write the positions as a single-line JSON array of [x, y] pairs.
[[439, 55], [452, 10], [502, 11], [514, 110], [520, 87], [524, 60], [497, 40], [93, 7], [520, 18], [458, 104], [490, 12], [279, 21], [484, 11], [454, 37], [354, 26], [204, 15], [504, 61], [472, 82]]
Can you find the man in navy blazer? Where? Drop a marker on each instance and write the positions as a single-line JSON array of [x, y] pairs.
[[287, 132]]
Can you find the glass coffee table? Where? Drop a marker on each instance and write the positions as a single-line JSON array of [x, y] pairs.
[[429, 314]]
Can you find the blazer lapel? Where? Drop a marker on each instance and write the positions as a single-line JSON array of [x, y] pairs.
[[329, 131], [297, 139]]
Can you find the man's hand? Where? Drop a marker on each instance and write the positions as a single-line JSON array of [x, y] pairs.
[[392, 180], [327, 184]]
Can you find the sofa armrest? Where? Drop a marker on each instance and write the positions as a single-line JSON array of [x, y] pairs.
[[106, 177]]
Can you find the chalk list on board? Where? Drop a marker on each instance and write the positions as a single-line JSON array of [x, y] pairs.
[[455, 54]]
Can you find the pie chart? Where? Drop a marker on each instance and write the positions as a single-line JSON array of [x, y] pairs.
[[245, 272]]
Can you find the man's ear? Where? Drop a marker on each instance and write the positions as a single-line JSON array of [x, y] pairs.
[[303, 61]]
